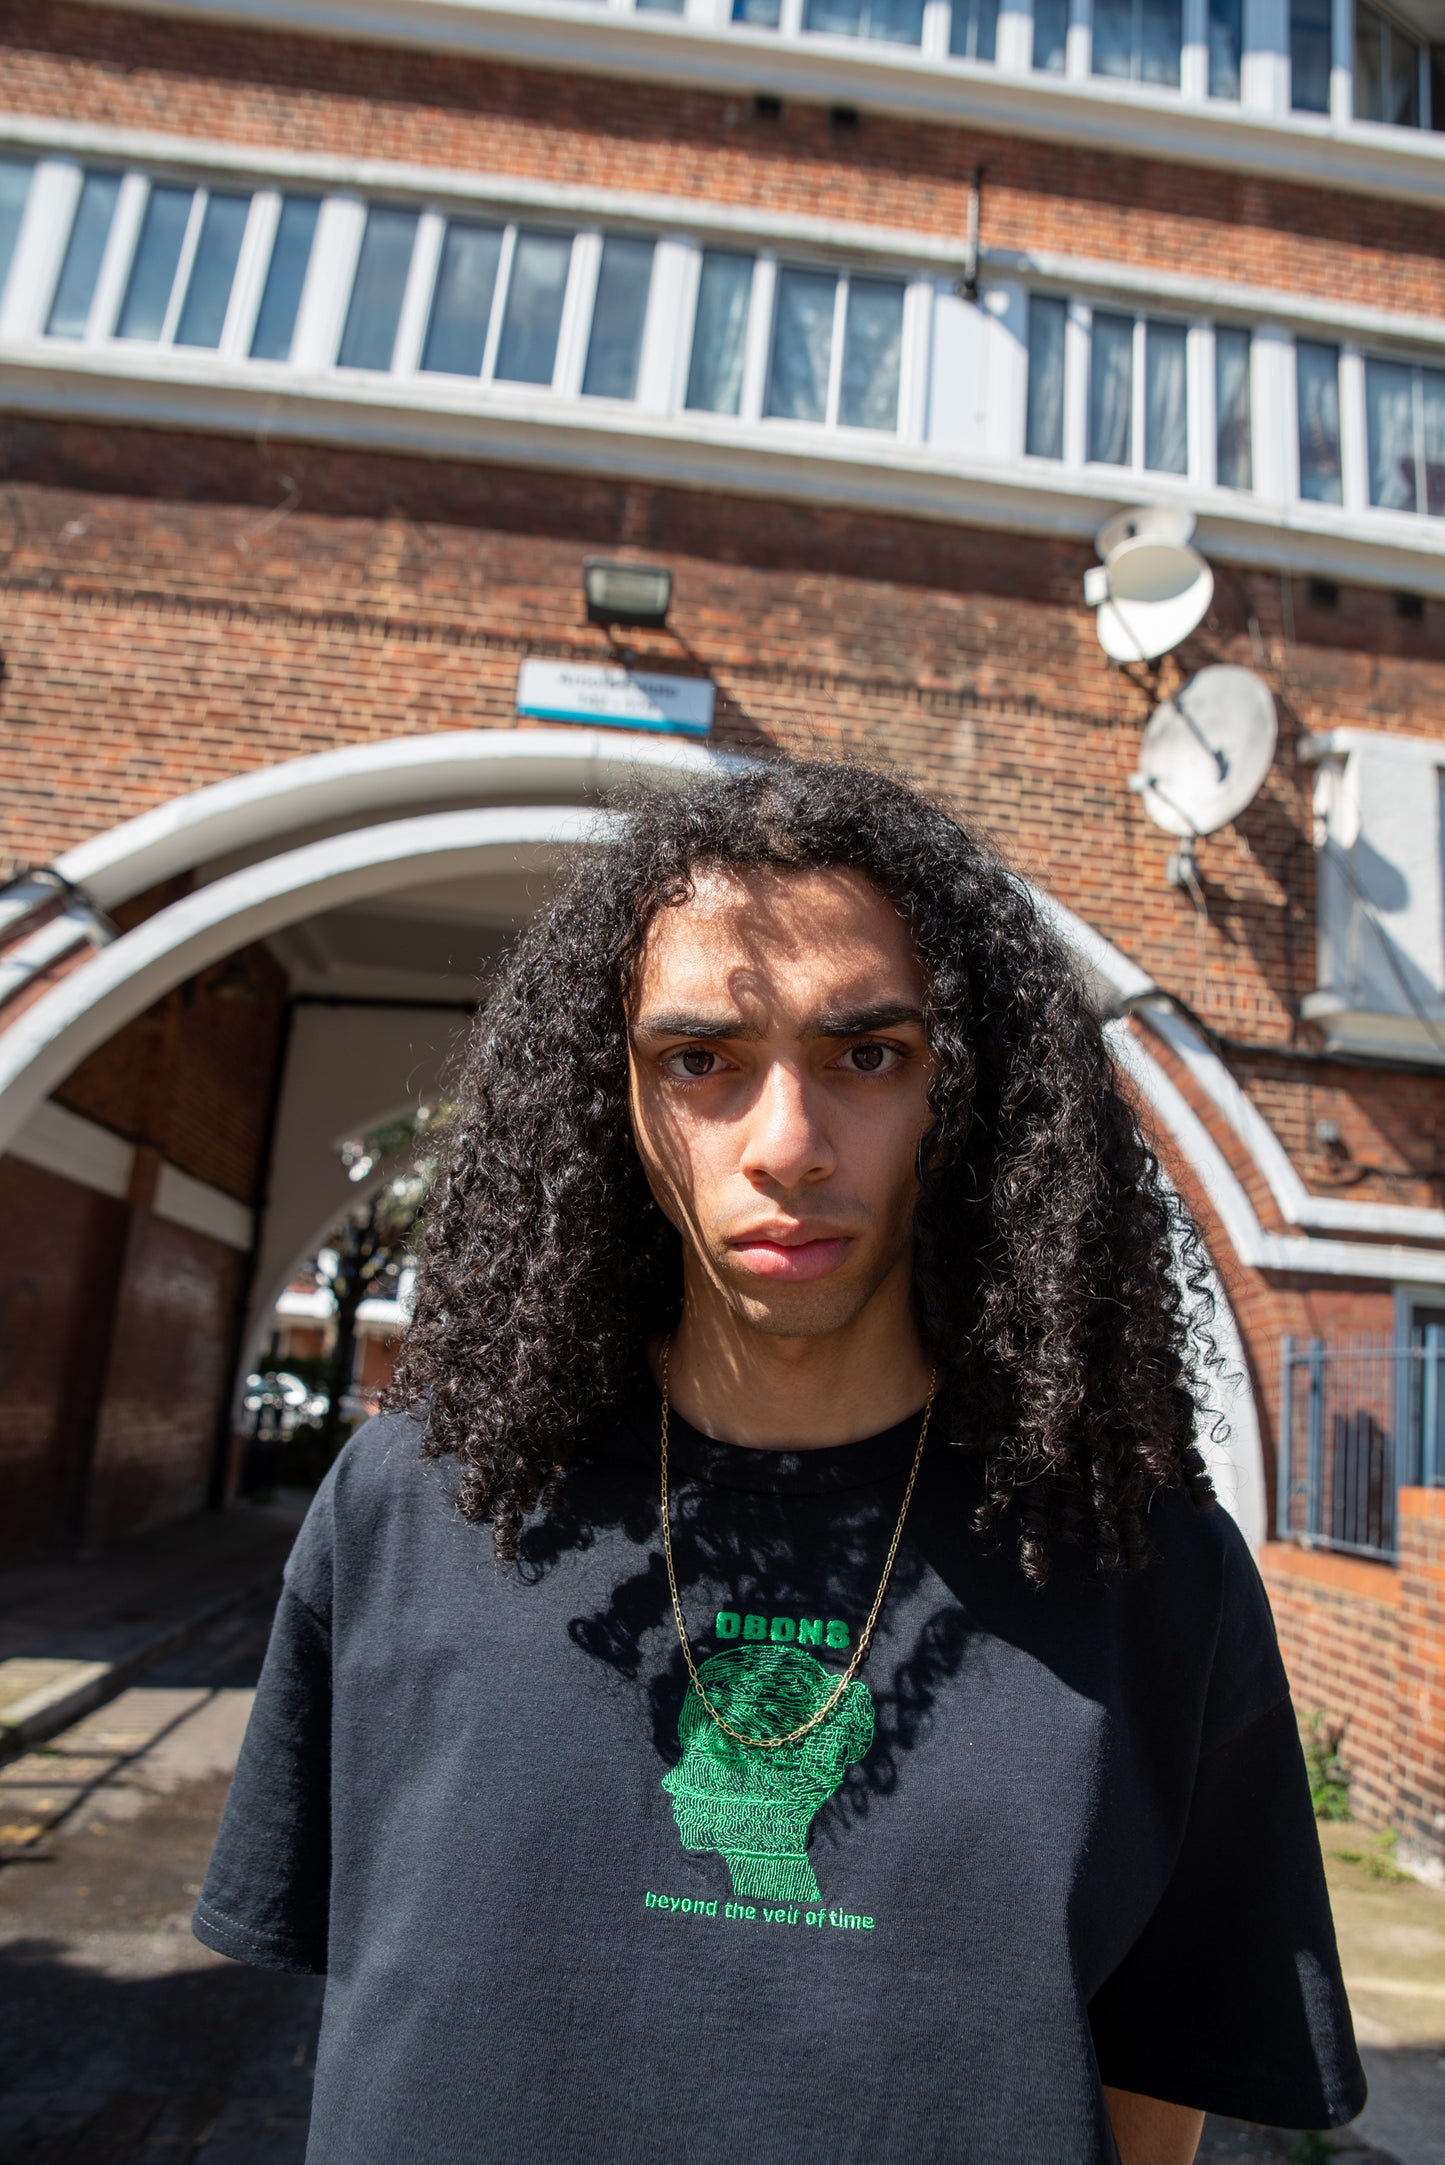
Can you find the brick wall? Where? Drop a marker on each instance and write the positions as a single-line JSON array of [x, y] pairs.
[[1340, 1631], [79, 63], [1422, 1681]]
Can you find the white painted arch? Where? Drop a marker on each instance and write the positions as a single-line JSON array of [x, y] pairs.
[[271, 817]]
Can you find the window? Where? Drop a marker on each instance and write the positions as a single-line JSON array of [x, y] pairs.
[[1424, 1423], [1166, 398], [1387, 70], [532, 322], [1138, 41], [461, 309], [1051, 36], [802, 346], [153, 266], [1111, 389], [758, 14], [213, 270], [374, 316], [872, 348], [973, 32], [1233, 445], [891, 22], [806, 316], [1309, 55], [1044, 423], [80, 271], [614, 350], [1226, 47], [1405, 430], [719, 336], [14, 188], [285, 276], [1317, 371]]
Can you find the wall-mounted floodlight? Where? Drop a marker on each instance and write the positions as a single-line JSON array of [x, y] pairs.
[[626, 593]]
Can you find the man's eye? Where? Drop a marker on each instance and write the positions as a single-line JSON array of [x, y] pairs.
[[870, 1059], [696, 1060]]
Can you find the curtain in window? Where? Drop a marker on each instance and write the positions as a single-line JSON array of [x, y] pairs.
[[872, 346], [1317, 372], [285, 277], [1309, 55], [1390, 433], [1044, 425], [893, 22], [614, 349], [1369, 89], [369, 340], [973, 32], [1111, 389], [802, 346], [208, 290], [461, 309], [1161, 39], [719, 334], [14, 188], [1051, 31], [1138, 40], [1233, 451], [1432, 441], [89, 232], [1113, 52], [153, 267], [1226, 45], [1166, 398], [535, 293]]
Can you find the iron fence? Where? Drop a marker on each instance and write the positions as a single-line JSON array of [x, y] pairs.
[[1358, 1423]]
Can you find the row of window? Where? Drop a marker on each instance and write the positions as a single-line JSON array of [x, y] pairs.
[[1137, 409], [391, 290], [1141, 41]]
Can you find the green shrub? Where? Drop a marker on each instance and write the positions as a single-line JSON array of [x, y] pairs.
[[1329, 1781]]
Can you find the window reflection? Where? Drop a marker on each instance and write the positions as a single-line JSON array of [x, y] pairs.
[[533, 318], [14, 188], [1111, 389], [1405, 431], [372, 320], [1309, 55], [802, 346], [153, 266], [1317, 372], [973, 31], [1233, 447], [872, 354], [1044, 424], [1226, 47], [1138, 40], [1051, 36], [614, 350], [285, 276], [894, 22], [461, 311], [208, 289], [719, 337]]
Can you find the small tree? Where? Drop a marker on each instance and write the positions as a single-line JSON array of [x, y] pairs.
[[368, 1250]]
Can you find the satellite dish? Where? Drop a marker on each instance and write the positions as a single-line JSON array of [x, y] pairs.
[[1151, 589], [1206, 751]]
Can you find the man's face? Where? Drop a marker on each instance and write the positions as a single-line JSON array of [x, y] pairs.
[[779, 1091]]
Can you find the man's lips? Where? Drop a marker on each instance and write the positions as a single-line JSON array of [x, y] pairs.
[[788, 1257]]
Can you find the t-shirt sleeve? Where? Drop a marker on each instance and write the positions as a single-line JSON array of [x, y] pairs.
[[1231, 1998], [266, 1894]]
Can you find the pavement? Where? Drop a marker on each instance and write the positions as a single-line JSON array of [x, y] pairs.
[[74, 1633], [125, 2042]]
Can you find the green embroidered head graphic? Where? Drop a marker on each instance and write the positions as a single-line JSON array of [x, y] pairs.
[[754, 1806]]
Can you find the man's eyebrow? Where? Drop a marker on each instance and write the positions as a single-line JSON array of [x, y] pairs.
[[829, 1022], [863, 1021], [677, 1024]]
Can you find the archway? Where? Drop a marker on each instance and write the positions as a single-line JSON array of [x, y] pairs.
[[463, 831]]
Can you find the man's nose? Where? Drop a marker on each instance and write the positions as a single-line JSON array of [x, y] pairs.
[[785, 1144]]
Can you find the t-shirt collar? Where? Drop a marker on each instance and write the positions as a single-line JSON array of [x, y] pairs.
[[734, 1465]]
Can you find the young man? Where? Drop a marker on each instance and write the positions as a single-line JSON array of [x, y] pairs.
[[779, 1689]]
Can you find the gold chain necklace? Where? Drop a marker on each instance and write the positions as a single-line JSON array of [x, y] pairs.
[[865, 1637]]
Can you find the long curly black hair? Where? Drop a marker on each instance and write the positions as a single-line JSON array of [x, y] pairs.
[[1060, 1288]]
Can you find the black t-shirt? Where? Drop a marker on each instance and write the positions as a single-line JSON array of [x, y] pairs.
[[1046, 1839]]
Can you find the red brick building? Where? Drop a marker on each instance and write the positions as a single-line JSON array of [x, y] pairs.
[[334, 339]]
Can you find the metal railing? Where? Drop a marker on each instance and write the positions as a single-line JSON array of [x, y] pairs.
[[1358, 1422]]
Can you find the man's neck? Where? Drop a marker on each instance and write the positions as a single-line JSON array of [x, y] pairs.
[[742, 1385]]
